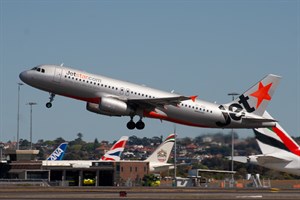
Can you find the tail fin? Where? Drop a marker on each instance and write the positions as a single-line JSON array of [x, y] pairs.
[[275, 139], [162, 153], [116, 150], [256, 99], [59, 152]]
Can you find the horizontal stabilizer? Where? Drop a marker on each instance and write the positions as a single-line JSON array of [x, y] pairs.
[[250, 119], [241, 159]]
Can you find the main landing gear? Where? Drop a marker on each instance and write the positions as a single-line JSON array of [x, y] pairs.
[[138, 125], [49, 104]]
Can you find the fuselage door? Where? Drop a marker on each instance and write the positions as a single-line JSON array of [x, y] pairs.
[[57, 74]]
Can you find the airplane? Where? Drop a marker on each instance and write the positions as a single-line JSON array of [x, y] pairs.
[[279, 151], [111, 97], [59, 152], [116, 150], [159, 158]]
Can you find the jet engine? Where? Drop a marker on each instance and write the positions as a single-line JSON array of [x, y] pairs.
[[110, 106]]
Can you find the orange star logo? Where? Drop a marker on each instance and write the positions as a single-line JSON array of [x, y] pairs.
[[262, 93]]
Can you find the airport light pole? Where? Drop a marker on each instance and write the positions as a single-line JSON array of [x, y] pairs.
[[18, 117], [233, 94], [1, 147], [175, 154], [31, 104]]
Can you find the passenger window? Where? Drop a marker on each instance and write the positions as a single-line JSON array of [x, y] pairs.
[[43, 71], [38, 69]]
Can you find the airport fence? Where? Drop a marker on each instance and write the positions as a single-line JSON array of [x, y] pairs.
[[22, 182]]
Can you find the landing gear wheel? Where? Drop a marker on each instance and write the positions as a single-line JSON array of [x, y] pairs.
[[131, 125], [48, 105], [140, 125]]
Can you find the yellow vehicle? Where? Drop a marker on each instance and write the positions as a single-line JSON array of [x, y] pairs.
[[88, 181]]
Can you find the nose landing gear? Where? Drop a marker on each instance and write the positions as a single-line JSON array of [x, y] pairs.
[[49, 104]]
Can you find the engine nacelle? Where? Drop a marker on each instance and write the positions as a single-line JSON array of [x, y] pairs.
[[110, 106]]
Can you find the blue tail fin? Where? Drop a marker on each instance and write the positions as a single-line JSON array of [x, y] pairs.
[[59, 152]]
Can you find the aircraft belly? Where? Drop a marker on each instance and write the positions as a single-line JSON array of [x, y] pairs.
[[283, 168]]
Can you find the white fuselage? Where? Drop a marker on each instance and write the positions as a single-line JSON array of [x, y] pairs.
[[92, 88]]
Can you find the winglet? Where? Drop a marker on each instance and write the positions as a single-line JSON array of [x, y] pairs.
[[193, 98]]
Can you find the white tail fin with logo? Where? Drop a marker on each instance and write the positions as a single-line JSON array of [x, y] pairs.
[[256, 99], [162, 153], [275, 139], [116, 150]]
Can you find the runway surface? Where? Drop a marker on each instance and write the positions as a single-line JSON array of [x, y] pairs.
[[48, 193]]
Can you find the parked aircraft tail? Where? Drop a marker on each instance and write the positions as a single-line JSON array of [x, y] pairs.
[[256, 99], [162, 153], [115, 152], [59, 152], [275, 139]]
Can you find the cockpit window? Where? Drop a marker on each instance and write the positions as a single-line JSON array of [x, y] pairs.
[[38, 69]]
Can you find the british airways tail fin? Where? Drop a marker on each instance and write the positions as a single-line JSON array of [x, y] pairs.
[[59, 152], [275, 139], [115, 152], [162, 153], [256, 99]]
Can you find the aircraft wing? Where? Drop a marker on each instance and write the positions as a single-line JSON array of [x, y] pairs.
[[271, 159], [156, 102]]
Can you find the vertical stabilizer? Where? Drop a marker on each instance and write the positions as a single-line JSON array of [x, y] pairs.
[[116, 150], [256, 99], [275, 139], [162, 153], [59, 152]]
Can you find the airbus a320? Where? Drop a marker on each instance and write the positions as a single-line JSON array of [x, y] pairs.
[[112, 97]]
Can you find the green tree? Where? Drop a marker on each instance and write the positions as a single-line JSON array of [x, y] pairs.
[[80, 135], [96, 143]]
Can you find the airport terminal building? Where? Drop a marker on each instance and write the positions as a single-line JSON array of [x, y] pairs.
[[20, 165]]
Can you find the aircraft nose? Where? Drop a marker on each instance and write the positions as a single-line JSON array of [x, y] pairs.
[[24, 76]]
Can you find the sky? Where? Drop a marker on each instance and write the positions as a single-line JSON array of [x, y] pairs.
[[204, 48]]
